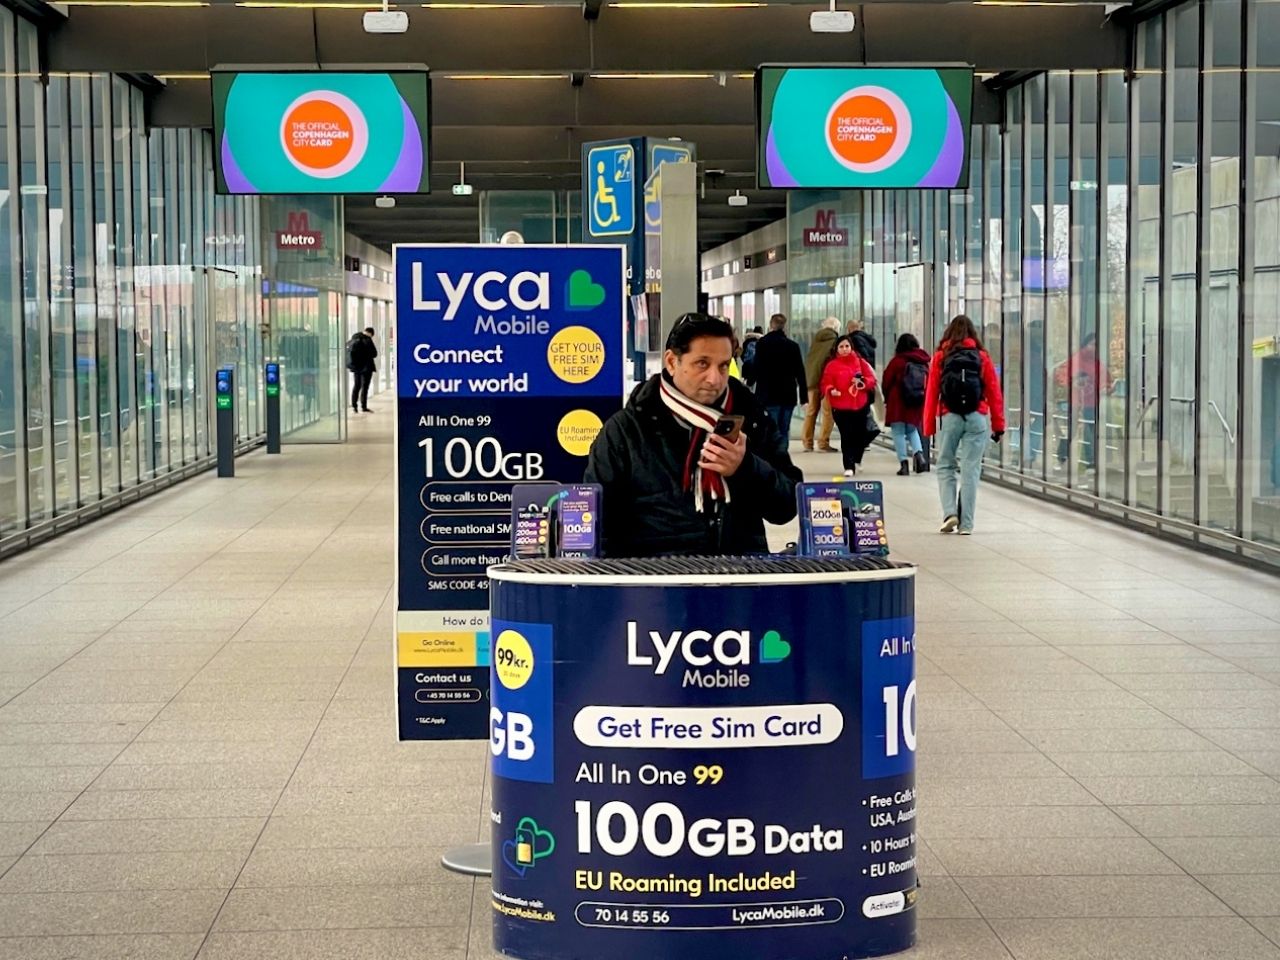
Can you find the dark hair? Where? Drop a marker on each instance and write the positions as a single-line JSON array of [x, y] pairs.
[[1089, 339], [778, 321], [845, 338], [690, 326], [761, 329], [369, 330], [906, 343], [960, 328]]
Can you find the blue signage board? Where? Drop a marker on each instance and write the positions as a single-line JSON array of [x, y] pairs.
[[509, 360], [703, 772], [610, 196]]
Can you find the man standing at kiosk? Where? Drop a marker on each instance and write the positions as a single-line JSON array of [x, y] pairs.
[[692, 464]]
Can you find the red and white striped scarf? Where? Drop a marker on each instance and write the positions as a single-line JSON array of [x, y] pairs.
[[702, 419]]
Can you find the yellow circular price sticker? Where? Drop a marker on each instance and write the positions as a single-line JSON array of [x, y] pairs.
[[576, 354], [577, 431], [512, 660]]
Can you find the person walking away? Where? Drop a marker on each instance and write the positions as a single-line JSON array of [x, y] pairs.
[[749, 341], [964, 406], [820, 351], [904, 383], [1085, 373], [863, 343], [780, 379], [361, 354], [848, 381]]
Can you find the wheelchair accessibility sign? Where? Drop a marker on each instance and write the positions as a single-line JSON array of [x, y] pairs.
[[613, 190]]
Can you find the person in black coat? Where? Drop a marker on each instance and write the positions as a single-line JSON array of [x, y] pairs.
[[361, 354], [673, 485], [777, 375]]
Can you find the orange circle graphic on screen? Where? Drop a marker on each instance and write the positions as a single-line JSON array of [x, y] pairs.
[[324, 134], [862, 129], [868, 129], [319, 134]]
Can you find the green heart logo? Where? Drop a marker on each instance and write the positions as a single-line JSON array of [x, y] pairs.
[[773, 649], [543, 842], [583, 293]]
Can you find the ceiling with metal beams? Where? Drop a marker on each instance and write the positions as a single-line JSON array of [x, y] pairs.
[[518, 87]]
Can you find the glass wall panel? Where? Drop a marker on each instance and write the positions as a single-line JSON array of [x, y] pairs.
[[13, 416], [1181, 330], [1086, 375], [1057, 274], [1219, 389], [104, 326], [62, 328], [1035, 272], [34, 209], [1145, 256], [1113, 193], [122, 278], [1261, 374], [1017, 441]]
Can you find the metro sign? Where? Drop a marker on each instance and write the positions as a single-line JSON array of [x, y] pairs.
[[298, 235], [825, 232]]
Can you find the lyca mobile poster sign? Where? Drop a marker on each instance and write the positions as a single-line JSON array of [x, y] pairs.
[[704, 773], [509, 362]]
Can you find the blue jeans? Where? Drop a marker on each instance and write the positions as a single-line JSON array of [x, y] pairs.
[[904, 434], [961, 443], [781, 416]]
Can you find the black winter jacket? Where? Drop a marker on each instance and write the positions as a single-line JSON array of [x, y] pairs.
[[638, 458], [778, 373], [865, 344]]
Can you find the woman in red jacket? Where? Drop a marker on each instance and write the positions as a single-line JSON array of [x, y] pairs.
[[904, 383], [848, 381], [964, 392]]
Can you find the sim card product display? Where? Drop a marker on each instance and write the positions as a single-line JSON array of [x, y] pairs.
[[579, 530], [842, 518], [533, 520]]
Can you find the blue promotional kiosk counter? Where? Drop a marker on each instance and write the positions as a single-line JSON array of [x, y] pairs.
[[703, 758]]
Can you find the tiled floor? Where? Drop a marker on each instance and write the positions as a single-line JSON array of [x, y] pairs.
[[197, 754]]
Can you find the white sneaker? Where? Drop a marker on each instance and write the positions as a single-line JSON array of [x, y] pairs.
[[949, 524], [848, 474], [965, 533]]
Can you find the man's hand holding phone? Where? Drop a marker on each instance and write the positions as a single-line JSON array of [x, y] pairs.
[[725, 447]]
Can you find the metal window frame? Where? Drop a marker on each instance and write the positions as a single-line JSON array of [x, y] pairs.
[[1247, 266]]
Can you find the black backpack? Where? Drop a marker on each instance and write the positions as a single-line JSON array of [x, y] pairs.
[[914, 379], [962, 380]]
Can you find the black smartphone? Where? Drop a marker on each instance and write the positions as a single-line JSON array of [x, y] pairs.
[[729, 426]]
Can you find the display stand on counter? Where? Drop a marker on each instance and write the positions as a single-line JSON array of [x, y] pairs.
[[703, 758]]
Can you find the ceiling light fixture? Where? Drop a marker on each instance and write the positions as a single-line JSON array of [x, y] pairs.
[[384, 202], [168, 77], [738, 200], [682, 5], [488, 6], [136, 3], [501, 76], [653, 76], [282, 5]]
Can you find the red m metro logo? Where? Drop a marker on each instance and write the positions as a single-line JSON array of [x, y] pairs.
[[825, 232], [298, 235]]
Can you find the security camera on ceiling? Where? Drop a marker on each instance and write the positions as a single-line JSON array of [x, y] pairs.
[[386, 20], [738, 200], [832, 21]]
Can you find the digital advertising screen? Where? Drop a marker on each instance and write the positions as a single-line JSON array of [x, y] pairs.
[[319, 132], [844, 127]]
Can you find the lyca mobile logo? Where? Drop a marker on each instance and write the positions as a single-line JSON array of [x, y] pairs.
[[493, 290], [710, 659]]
